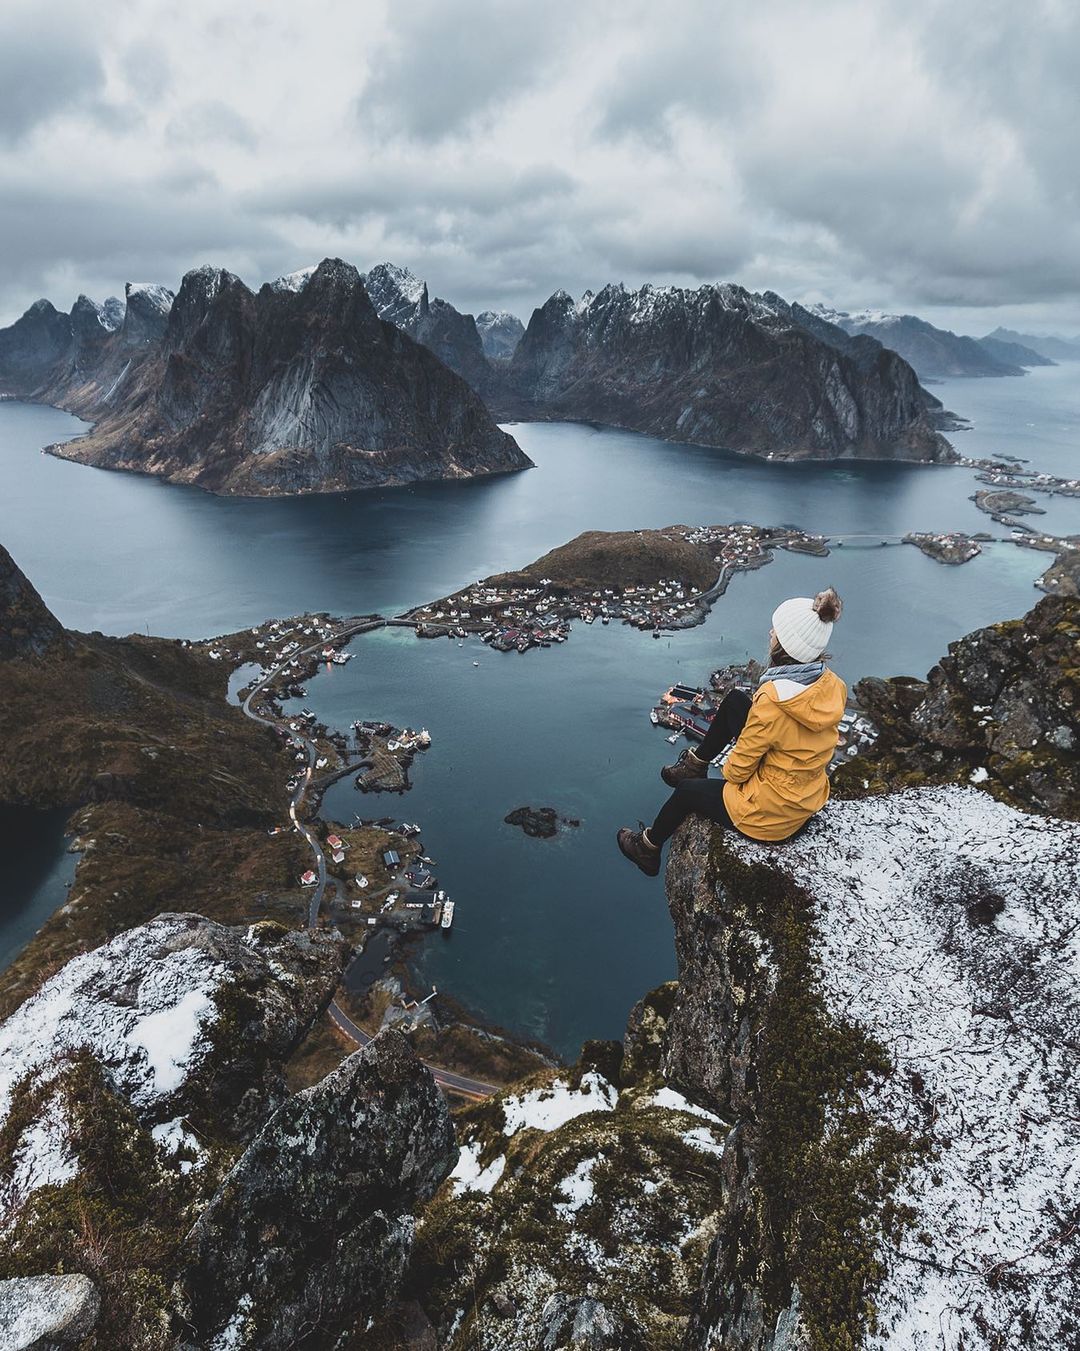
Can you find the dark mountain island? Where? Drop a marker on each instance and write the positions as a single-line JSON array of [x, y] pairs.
[[720, 366], [1051, 349], [935, 353], [298, 388], [500, 333]]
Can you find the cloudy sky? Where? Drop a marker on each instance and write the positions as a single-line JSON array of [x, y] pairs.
[[907, 154]]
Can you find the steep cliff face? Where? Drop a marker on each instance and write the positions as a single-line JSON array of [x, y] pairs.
[[884, 1007], [718, 366], [289, 391]]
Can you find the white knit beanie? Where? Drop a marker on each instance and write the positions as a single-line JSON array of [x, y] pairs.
[[804, 626]]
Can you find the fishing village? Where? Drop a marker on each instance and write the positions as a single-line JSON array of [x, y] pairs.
[[652, 580]]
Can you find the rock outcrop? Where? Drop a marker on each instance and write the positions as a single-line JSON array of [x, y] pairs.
[[1001, 710], [291, 390], [719, 366], [40, 1312], [142, 1099], [309, 1232], [28, 629], [162, 1010], [580, 1210]]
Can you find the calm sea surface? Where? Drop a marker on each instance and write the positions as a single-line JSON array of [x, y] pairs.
[[553, 937]]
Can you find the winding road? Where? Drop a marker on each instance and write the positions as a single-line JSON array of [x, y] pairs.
[[448, 1080]]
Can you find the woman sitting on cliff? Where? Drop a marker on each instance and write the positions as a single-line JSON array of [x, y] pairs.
[[774, 780]]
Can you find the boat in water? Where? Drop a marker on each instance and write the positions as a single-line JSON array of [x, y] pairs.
[[447, 913]]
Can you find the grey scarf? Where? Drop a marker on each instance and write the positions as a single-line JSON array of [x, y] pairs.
[[802, 675]]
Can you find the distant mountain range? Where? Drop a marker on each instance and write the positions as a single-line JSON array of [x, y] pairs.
[[1050, 348], [329, 379], [935, 353], [298, 388]]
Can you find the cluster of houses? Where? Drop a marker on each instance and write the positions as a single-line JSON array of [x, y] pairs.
[[1023, 479], [411, 899], [950, 547]]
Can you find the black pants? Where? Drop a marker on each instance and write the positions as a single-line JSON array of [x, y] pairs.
[[704, 797]]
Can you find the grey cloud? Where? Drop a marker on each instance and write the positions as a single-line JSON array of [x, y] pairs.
[[212, 120], [45, 68], [444, 65], [910, 157]]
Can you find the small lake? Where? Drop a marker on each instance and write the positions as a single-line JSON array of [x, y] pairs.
[[553, 937], [35, 873]]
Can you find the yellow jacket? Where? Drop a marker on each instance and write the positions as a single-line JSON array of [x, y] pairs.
[[775, 775]]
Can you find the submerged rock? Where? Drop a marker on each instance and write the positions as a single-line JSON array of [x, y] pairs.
[[310, 1231], [540, 822]]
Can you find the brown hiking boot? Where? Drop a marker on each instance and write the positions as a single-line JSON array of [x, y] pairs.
[[687, 766], [634, 848]]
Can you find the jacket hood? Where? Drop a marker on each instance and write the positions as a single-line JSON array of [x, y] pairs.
[[818, 707]]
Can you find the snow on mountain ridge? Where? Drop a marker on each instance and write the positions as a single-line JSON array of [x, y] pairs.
[[158, 297], [294, 281]]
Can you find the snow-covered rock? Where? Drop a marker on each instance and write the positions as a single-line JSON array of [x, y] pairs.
[[719, 365], [500, 332], [293, 281], [160, 1009], [585, 1202], [888, 1004], [950, 931]]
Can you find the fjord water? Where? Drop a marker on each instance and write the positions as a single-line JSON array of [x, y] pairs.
[[552, 937]]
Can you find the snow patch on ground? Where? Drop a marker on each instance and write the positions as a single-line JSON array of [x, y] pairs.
[[169, 1038], [42, 1158], [173, 1136], [469, 1176], [675, 1102], [702, 1138], [950, 929], [577, 1190], [547, 1109]]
